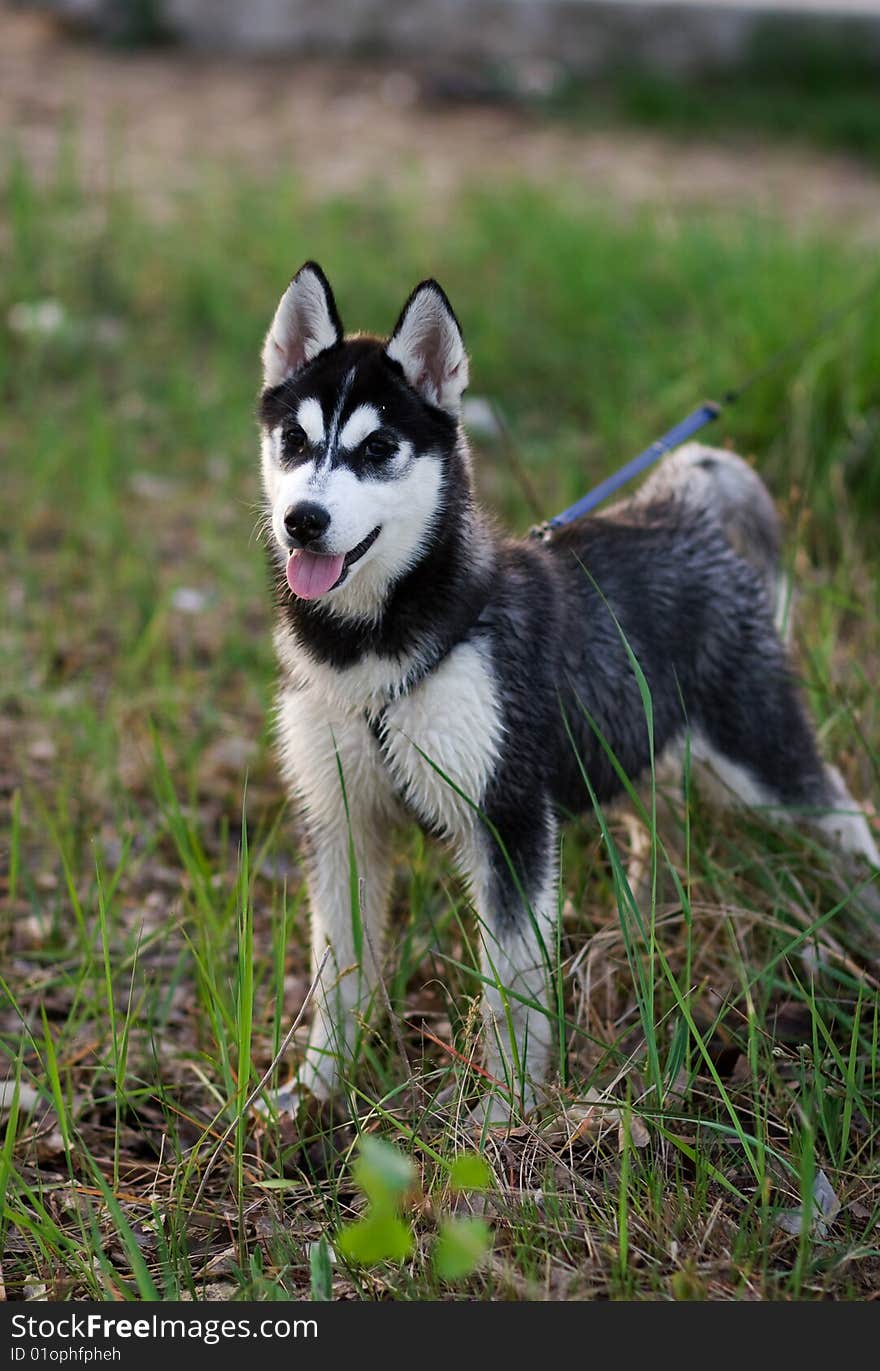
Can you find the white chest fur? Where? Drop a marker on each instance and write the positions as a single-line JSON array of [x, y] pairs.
[[364, 687], [440, 742]]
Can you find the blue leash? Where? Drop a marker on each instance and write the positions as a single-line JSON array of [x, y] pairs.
[[706, 413], [676, 435]]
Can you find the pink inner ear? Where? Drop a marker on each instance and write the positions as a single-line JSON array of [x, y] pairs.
[[305, 324], [427, 344], [435, 374], [292, 356], [429, 382]]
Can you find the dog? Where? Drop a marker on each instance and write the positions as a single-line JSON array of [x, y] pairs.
[[433, 670]]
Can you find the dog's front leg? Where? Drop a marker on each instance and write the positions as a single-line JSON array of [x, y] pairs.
[[334, 769], [516, 899], [348, 887]]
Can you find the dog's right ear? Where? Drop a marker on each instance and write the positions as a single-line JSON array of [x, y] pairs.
[[306, 322], [428, 345]]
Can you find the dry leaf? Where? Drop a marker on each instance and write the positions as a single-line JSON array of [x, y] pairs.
[[591, 1116], [638, 1133]]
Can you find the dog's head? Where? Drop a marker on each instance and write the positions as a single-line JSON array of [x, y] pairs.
[[358, 436]]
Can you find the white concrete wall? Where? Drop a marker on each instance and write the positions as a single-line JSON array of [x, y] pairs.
[[583, 34]]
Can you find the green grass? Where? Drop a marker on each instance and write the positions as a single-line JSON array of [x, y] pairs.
[[154, 938]]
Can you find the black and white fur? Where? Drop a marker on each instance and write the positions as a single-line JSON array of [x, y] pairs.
[[443, 677]]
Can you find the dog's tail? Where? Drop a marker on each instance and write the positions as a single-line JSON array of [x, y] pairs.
[[725, 487]]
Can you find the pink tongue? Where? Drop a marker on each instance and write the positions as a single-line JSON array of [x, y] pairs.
[[309, 575]]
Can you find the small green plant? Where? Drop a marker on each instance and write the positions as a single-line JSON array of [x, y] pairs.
[[462, 1243], [385, 1176]]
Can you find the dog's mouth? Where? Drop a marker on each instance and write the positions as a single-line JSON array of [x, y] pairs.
[[312, 574]]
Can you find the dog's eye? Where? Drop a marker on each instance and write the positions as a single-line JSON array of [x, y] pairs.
[[378, 449], [294, 439]]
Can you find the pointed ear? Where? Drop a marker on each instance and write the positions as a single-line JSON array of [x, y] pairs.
[[306, 322], [427, 343]]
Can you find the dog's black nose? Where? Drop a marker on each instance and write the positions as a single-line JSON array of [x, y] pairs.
[[306, 522]]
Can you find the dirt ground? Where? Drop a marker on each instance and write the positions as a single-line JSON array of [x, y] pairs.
[[158, 120]]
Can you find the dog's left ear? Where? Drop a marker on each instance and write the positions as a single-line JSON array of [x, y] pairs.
[[427, 343], [306, 322]]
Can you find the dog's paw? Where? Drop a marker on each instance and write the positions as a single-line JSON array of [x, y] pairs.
[[493, 1112], [289, 1101], [497, 1110]]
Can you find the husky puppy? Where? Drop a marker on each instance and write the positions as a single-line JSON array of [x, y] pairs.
[[433, 670]]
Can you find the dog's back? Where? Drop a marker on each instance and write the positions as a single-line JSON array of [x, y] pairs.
[[680, 580]]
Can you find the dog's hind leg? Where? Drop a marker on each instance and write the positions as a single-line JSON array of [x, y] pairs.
[[845, 822], [513, 877], [761, 752]]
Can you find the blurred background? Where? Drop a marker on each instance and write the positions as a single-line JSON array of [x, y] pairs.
[[454, 87], [631, 205]]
